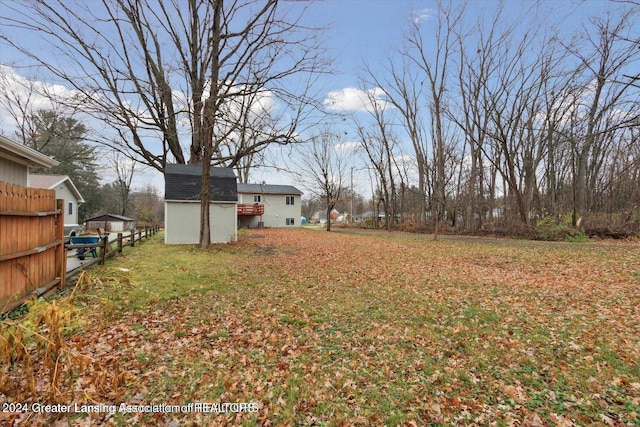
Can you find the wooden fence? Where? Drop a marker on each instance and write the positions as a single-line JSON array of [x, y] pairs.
[[110, 245], [32, 255]]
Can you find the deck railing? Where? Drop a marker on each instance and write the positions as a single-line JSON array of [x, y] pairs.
[[245, 209]]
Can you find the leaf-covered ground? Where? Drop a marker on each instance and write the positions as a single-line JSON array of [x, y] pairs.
[[324, 328]]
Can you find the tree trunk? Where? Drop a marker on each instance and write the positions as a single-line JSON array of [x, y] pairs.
[[210, 112]]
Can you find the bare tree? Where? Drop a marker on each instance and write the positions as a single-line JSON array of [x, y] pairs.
[[608, 101], [379, 143], [404, 91], [156, 70], [324, 163], [475, 67], [124, 171], [434, 62], [148, 207], [541, 134]]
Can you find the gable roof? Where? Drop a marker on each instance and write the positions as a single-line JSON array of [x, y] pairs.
[[51, 181], [107, 217], [182, 182], [20, 153], [267, 189]]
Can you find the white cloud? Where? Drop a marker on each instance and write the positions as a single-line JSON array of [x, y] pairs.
[[21, 95], [37, 93], [353, 99], [347, 146], [421, 15]]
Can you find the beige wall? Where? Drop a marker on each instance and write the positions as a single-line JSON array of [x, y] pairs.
[[13, 173], [111, 226], [182, 222]]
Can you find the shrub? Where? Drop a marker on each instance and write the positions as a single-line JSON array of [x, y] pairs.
[[578, 237], [548, 228]]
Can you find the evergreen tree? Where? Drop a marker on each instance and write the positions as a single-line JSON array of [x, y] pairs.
[[62, 138]]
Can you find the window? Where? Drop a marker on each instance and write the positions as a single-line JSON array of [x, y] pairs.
[[70, 208], [290, 221], [256, 199], [290, 200]]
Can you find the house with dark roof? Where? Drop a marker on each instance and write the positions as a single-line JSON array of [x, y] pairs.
[[182, 204], [266, 205]]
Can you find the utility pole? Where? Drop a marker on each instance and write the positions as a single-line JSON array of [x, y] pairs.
[[351, 211]]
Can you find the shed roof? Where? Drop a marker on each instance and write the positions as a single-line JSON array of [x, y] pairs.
[[182, 182], [267, 189], [108, 217]]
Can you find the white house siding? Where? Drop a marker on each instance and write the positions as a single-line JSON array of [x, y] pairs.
[[276, 210], [182, 224], [63, 192], [13, 173]]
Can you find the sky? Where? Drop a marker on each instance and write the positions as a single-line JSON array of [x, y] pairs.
[[357, 31]]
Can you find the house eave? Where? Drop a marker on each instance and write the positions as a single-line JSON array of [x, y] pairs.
[[24, 155], [74, 189]]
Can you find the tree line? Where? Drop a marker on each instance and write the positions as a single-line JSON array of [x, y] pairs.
[[510, 123]]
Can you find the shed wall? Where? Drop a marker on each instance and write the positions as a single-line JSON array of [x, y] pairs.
[[182, 222], [111, 226]]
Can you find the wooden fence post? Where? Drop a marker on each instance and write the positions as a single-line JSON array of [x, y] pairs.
[[132, 237], [105, 241], [119, 242]]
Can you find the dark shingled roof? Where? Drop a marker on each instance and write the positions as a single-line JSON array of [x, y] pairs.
[[182, 182], [267, 189]]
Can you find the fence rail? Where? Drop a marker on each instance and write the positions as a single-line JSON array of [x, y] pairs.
[[110, 246], [32, 257]]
